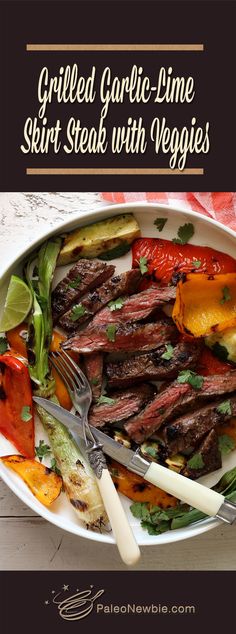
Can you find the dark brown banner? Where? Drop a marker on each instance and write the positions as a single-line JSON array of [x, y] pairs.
[[109, 601], [110, 94]]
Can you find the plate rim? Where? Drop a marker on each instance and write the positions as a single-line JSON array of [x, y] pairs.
[[95, 212]]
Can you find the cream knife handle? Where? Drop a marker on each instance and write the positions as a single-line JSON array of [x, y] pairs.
[[189, 491], [125, 540]]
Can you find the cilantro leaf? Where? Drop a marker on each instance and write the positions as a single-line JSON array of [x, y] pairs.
[[26, 415], [77, 311], [111, 332], [225, 408], [143, 265], [160, 223], [116, 304], [42, 450], [169, 352], [194, 379], [184, 233], [197, 264], [196, 462], [140, 511], [105, 400], [226, 297], [226, 444], [74, 283], [3, 345], [94, 380], [54, 467]]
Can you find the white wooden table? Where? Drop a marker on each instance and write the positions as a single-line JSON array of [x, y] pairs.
[[27, 542]]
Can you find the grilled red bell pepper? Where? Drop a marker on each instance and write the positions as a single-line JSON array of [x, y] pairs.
[[165, 258], [16, 406], [209, 364]]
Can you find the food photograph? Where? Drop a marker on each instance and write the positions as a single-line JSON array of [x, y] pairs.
[[118, 380]]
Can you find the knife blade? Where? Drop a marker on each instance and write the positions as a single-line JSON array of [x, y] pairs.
[[112, 448], [189, 491]]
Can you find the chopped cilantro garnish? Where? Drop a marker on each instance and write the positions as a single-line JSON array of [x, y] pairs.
[[156, 520], [169, 352], [197, 264], [116, 304], [75, 283], [42, 450], [3, 345], [77, 312], [94, 380], [225, 408], [103, 400], [196, 462], [111, 332], [184, 233], [194, 379], [143, 265], [160, 223], [26, 413], [226, 297], [226, 444]]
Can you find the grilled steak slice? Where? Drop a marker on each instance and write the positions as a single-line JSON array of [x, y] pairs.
[[84, 276], [125, 404], [125, 283], [137, 307], [185, 432], [211, 457], [175, 400], [127, 337], [152, 366], [93, 370]]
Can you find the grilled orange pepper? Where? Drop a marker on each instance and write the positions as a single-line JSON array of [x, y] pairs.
[[205, 304]]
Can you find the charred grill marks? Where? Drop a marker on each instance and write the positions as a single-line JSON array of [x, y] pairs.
[[92, 302], [84, 276]]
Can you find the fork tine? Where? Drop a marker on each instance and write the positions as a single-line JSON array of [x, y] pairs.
[[71, 378], [62, 374], [67, 368], [77, 369]]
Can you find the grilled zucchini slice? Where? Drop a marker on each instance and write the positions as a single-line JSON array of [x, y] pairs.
[[100, 238]]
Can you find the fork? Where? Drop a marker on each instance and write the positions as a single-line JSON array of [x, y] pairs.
[[81, 396]]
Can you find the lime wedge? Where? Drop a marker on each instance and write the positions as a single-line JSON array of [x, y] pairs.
[[17, 305]]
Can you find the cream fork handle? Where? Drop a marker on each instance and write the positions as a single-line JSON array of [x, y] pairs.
[[124, 537]]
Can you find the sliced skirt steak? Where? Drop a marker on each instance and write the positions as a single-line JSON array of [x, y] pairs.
[[138, 307], [175, 400], [185, 432], [82, 277], [93, 301], [122, 337], [210, 454], [152, 366], [94, 371], [123, 404]]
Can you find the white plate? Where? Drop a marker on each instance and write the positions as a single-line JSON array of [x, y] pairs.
[[207, 232]]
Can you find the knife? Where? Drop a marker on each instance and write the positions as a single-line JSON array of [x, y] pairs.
[[191, 492]]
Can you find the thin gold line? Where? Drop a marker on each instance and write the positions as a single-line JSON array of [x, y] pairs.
[[78, 171], [114, 47]]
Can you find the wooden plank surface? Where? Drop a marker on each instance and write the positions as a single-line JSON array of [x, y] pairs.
[[27, 542]]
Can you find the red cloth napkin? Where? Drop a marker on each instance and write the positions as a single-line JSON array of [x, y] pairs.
[[218, 205]]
